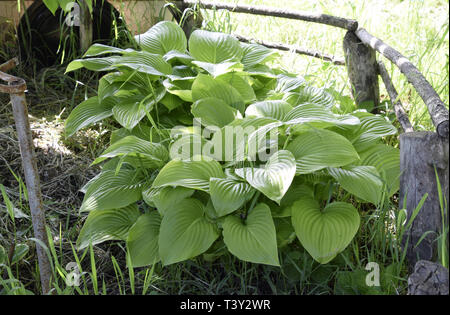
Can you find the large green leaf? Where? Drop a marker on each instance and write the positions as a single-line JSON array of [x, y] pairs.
[[189, 174], [229, 194], [317, 149], [130, 110], [93, 64], [144, 62], [106, 225], [166, 198], [162, 38], [317, 116], [240, 83], [324, 233], [310, 94], [86, 113], [372, 127], [254, 54], [386, 159], [274, 179], [217, 69], [254, 239], [139, 152], [213, 112], [362, 181], [185, 232], [205, 86], [275, 109], [214, 47], [142, 241], [109, 190]]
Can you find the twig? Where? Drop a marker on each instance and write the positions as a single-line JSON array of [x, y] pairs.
[[299, 50], [398, 107]]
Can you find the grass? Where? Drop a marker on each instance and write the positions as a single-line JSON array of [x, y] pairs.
[[418, 29]]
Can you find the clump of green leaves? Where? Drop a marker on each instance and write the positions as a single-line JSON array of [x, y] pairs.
[[290, 176]]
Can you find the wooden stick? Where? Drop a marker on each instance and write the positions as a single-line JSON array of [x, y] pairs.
[[436, 108], [348, 24], [16, 90], [398, 107], [297, 49]]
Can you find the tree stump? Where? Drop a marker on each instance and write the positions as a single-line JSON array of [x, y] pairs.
[[420, 153], [362, 68], [428, 279]]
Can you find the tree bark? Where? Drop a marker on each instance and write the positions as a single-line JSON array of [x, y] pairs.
[[362, 71], [420, 153]]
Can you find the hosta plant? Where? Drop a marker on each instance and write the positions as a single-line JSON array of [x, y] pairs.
[[215, 149]]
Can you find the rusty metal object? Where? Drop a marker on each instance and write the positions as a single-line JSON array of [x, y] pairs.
[[16, 89]]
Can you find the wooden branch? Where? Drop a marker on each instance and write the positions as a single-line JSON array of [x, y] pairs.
[[348, 24], [297, 49], [436, 108], [393, 95], [362, 69]]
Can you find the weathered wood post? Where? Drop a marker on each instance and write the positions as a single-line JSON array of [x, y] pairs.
[[86, 27], [421, 153], [362, 69], [16, 90]]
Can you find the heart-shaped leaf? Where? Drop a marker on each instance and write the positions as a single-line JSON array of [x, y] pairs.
[[274, 179], [213, 112], [111, 190], [190, 174], [87, 113], [229, 194], [166, 198], [138, 152], [317, 149], [205, 86], [214, 47], [185, 232], [163, 37], [253, 240], [275, 109], [324, 234], [362, 181], [106, 225], [143, 238]]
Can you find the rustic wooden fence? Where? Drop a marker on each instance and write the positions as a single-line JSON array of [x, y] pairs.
[[423, 154]]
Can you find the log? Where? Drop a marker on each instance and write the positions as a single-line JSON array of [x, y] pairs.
[[396, 104], [428, 278], [348, 24], [436, 108], [362, 69], [299, 50], [420, 153]]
